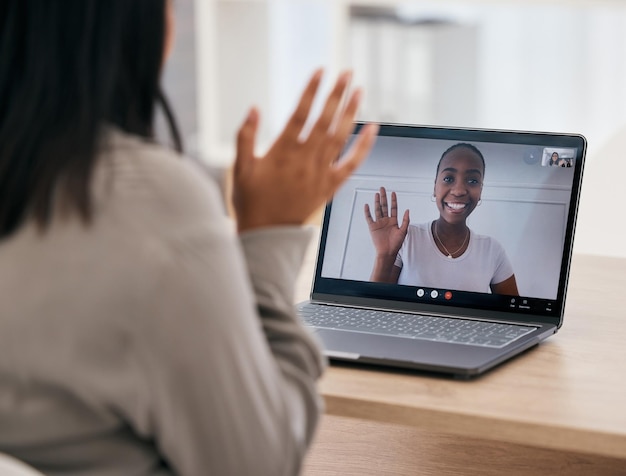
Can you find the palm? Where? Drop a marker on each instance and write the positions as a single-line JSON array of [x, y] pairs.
[[386, 235]]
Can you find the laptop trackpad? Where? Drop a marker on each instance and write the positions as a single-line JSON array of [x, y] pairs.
[[363, 346]]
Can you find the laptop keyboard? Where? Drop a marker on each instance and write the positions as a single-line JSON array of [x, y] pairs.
[[412, 326]]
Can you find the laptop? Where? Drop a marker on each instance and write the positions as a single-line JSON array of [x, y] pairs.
[[459, 309]]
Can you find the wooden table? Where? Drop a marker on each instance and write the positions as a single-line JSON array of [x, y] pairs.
[[559, 408]]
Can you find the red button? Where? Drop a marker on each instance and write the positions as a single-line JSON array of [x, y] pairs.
[[448, 295]]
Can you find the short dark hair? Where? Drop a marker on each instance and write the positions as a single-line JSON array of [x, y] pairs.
[[67, 69], [462, 145]]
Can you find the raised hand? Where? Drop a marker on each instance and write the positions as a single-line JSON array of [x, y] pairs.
[[386, 235], [300, 172]]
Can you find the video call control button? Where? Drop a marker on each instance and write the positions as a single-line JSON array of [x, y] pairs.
[[420, 292], [434, 294]]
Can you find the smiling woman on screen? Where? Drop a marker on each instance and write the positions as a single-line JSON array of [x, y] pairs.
[[444, 253]]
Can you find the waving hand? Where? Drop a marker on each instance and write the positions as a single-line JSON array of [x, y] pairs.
[[301, 170], [386, 235]]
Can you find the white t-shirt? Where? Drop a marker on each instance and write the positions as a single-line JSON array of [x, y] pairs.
[[483, 263]]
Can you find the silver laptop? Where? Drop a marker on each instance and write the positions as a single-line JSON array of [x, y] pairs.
[[448, 250]]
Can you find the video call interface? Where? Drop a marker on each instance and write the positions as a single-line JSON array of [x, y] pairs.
[[516, 209]]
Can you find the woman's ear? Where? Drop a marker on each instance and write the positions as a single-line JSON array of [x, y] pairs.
[[170, 30]]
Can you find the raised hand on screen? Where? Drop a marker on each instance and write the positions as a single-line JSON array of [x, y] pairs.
[[386, 235]]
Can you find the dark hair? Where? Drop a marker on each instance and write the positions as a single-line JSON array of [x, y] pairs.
[[68, 68], [462, 145], [552, 162]]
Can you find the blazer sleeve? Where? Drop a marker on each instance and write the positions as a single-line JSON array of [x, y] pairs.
[[228, 372]]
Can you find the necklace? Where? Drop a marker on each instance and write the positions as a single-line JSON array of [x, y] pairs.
[[450, 255]]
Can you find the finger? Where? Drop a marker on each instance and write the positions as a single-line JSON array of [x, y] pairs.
[[299, 117], [331, 106], [405, 222], [246, 138], [344, 126], [394, 205], [368, 215], [355, 156], [377, 206], [345, 122], [383, 202]]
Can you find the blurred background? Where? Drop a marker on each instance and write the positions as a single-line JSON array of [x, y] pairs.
[[548, 65]]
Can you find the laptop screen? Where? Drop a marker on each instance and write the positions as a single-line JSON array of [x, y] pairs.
[[456, 218]]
